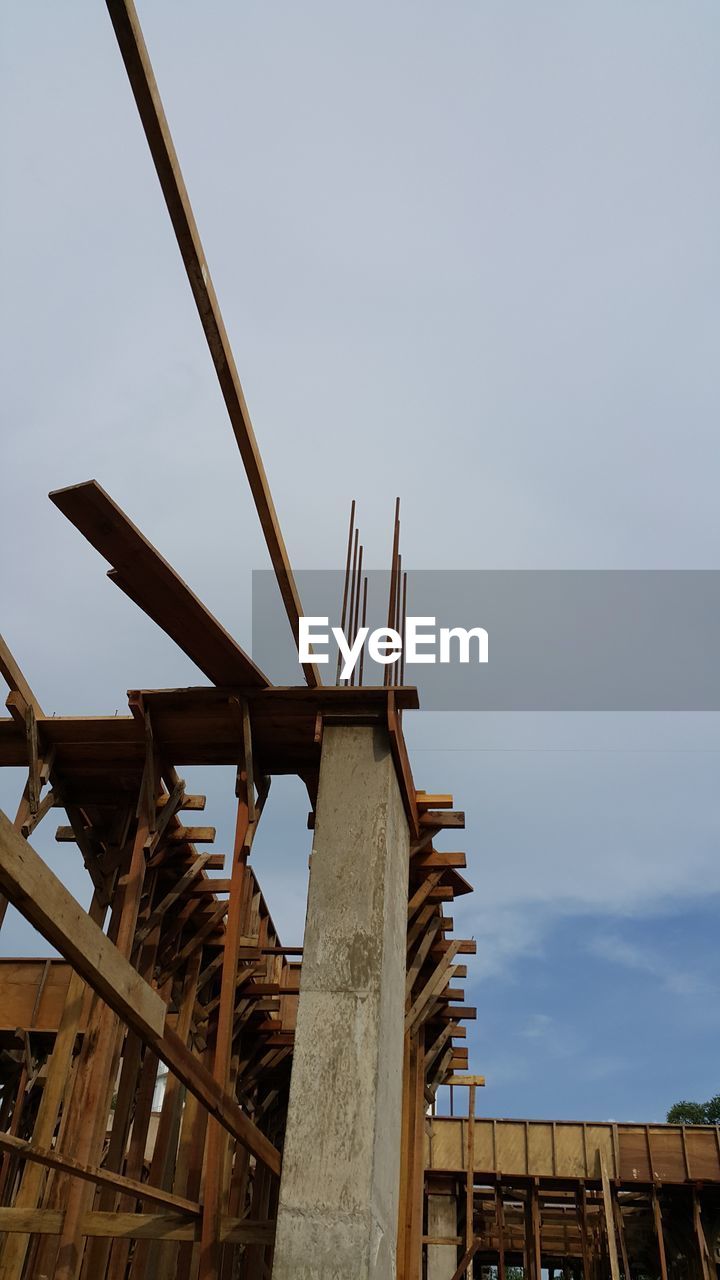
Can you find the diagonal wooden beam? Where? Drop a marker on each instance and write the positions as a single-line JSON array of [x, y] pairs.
[[15, 679], [466, 1260], [144, 575], [38, 894], [439, 979], [101, 1177], [147, 98]]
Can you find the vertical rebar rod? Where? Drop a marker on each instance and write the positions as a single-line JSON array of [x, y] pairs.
[[362, 624], [393, 579], [351, 595], [346, 583], [356, 610], [403, 619]]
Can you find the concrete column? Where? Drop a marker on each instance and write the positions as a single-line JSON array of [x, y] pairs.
[[337, 1218], [442, 1259]]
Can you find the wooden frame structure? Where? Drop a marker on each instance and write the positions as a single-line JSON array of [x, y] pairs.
[[599, 1201], [178, 962], [175, 963]]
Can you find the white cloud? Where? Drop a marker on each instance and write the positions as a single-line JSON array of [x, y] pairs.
[[537, 1026], [644, 959]]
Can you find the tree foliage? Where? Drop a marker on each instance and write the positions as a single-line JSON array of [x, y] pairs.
[[695, 1112]]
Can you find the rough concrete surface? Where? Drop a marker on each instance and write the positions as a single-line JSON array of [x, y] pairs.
[[337, 1218]]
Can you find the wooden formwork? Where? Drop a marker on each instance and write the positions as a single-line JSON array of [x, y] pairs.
[[599, 1200], [177, 962]]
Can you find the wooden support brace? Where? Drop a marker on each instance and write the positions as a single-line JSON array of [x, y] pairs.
[[38, 894], [101, 1177]]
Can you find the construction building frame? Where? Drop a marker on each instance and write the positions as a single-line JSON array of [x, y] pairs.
[[297, 1131]]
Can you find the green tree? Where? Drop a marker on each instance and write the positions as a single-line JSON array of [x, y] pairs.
[[695, 1112], [712, 1109]]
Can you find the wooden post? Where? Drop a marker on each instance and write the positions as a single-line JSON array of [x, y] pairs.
[[535, 1224], [99, 1058], [657, 1218], [584, 1232], [411, 1202], [609, 1220], [703, 1251], [470, 1169], [216, 1156], [14, 1250], [500, 1223], [621, 1235]]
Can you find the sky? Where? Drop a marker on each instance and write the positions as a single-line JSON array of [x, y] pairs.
[[466, 253]]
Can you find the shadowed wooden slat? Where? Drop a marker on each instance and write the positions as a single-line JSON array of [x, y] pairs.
[[144, 575]]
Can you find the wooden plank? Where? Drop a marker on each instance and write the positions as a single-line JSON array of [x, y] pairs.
[[143, 574], [439, 979], [706, 1267], [13, 1253], [101, 1177], [470, 1171], [402, 764], [420, 956], [192, 835], [15, 679], [85, 1131], [38, 894], [216, 1150], [534, 1233], [186, 802], [425, 800], [466, 1260], [618, 1216], [45, 902], [171, 897], [500, 1228], [435, 859], [442, 821], [152, 115], [133, 1226], [420, 895], [657, 1219], [609, 1220]]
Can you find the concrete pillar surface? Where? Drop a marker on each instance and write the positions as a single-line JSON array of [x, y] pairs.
[[442, 1259], [337, 1217]]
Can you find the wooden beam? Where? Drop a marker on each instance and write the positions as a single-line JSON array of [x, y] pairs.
[[133, 1226], [441, 860], [144, 575], [442, 821], [38, 894], [704, 1256], [402, 765], [533, 1232], [216, 1148], [618, 1216], [500, 1228], [470, 1173], [180, 887], [609, 1221], [657, 1219], [101, 1177], [439, 979], [466, 1260], [15, 679], [152, 115]]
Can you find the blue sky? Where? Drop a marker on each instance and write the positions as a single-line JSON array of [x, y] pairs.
[[467, 253]]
